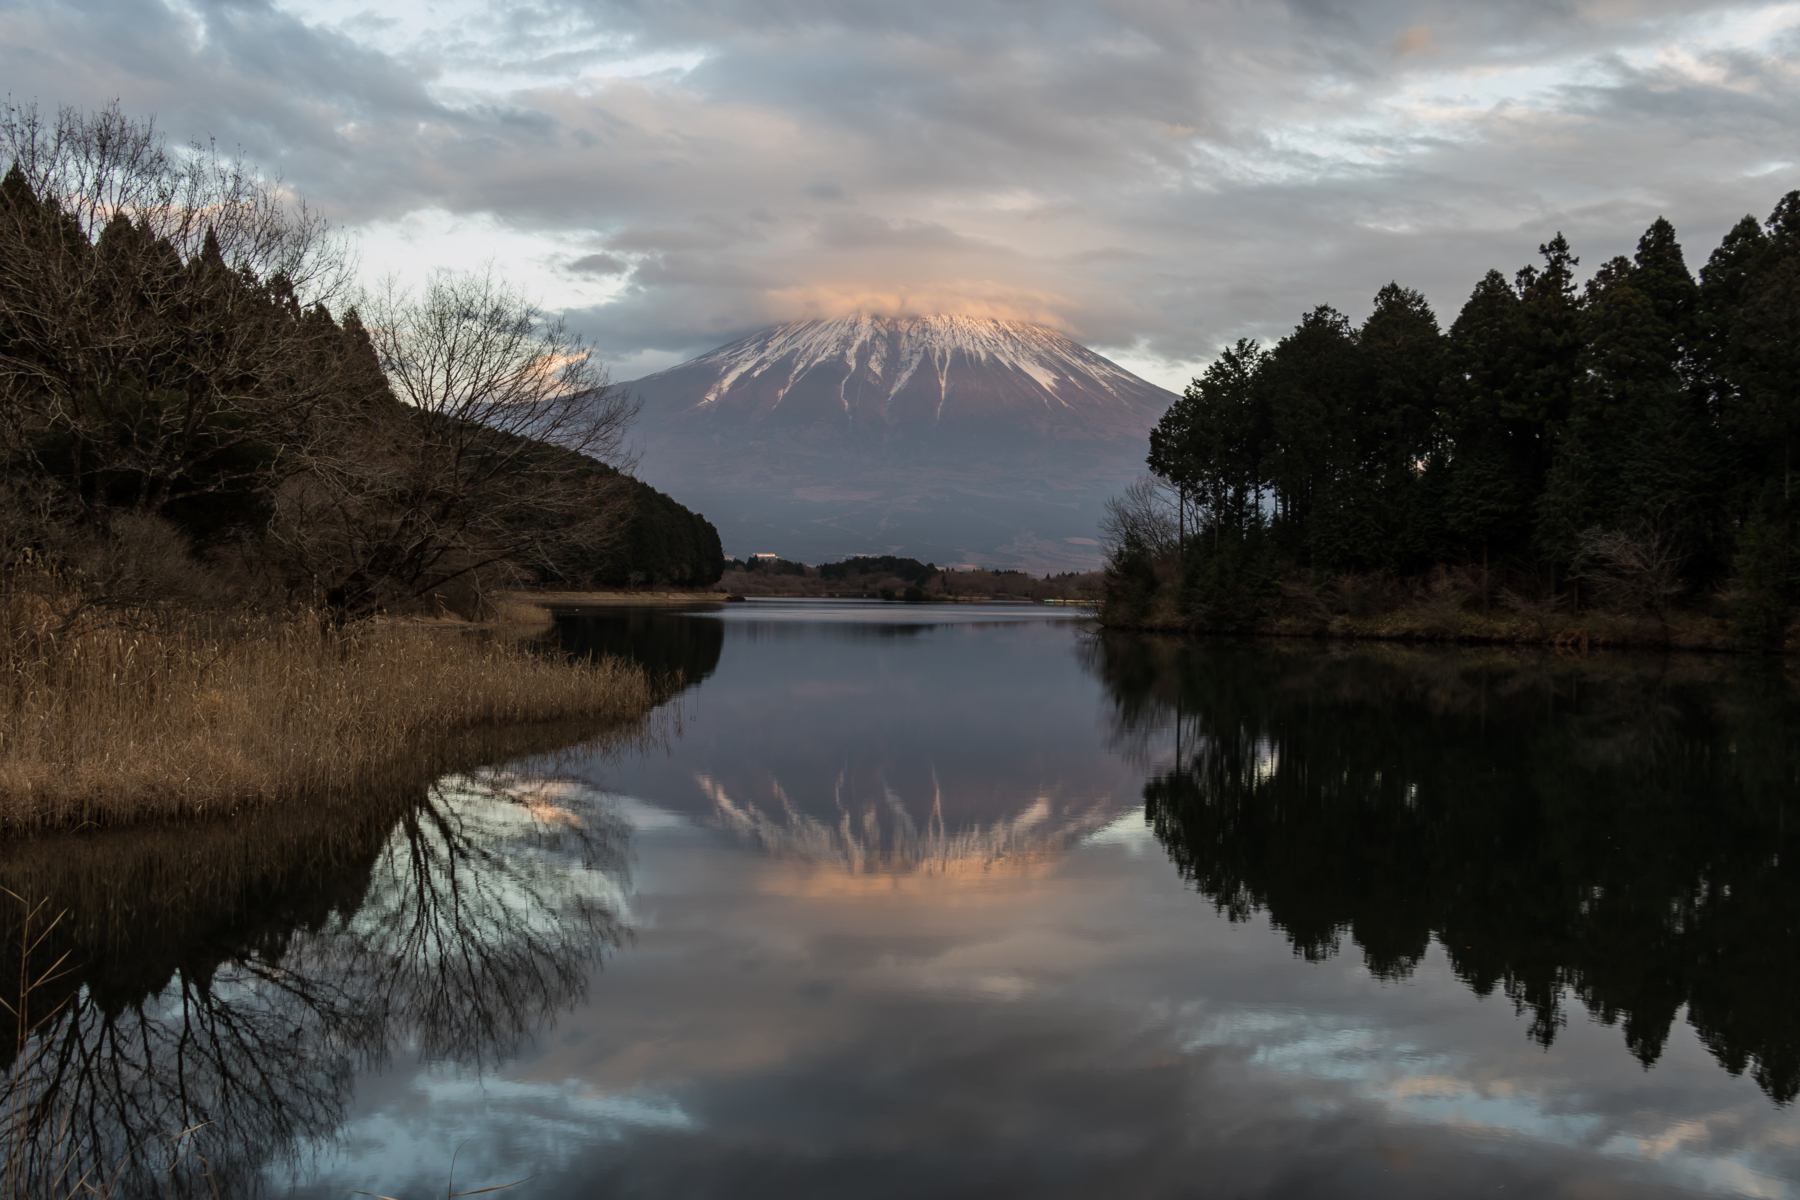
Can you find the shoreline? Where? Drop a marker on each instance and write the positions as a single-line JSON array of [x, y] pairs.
[[1686, 632], [177, 716], [564, 601]]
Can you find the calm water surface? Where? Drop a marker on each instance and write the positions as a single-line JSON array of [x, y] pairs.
[[971, 901]]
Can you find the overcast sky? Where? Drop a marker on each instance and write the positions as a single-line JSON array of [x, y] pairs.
[[1153, 177]]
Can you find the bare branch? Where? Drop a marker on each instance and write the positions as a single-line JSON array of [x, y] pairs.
[[499, 459], [1143, 515], [1635, 570]]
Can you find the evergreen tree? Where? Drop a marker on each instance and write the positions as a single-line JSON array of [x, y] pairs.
[[1749, 317], [1636, 453], [1548, 353], [1484, 455], [1210, 443], [1403, 352], [1549, 339], [1316, 386]]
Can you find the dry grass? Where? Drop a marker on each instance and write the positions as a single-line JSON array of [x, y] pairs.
[[520, 617], [1448, 605], [149, 715]]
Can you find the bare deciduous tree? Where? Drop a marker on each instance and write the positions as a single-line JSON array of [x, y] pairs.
[[489, 459], [1143, 515], [1635, 570]]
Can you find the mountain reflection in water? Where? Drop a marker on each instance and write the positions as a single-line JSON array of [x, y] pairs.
[[234, 980], [885, 837], [1616, 830], [851, 755]]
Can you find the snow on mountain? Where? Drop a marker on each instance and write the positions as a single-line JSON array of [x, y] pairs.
[[893, 350], [900, 376], [945, 437]]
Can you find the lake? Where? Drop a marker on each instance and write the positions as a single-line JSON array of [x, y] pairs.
[[903, 900]]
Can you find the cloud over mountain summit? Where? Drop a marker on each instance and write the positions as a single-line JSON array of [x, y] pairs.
[[1153, 178]]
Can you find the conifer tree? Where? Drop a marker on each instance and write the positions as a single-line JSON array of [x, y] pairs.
[[1637, 452], [1210, 442], [1484, 456], [1750, 310], [1748, 318], [1316, 383], [1548, 351], [1403, 353]]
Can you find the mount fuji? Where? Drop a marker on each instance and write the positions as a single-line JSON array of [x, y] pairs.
[[964, 440]]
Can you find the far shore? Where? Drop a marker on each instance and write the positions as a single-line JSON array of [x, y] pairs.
[[563, 601]]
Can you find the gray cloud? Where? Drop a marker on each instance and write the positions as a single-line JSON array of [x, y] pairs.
[[1142, 173], [600, 264]]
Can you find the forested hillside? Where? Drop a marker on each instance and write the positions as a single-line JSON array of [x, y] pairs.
[[659, 543], [1625, 445], [184, 418]]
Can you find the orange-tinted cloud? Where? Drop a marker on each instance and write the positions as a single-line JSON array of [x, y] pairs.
[[1416, 40]]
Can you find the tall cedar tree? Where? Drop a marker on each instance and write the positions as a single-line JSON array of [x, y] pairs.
[[1637, 451], [1311, 374], [1210, 443], [1403, 352], [1484, 454]]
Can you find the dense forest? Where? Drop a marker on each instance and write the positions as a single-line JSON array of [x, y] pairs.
[[184, 418], [1627, 444]]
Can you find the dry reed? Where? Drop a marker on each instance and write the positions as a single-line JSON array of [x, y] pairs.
[[517, 616], [162, 714]]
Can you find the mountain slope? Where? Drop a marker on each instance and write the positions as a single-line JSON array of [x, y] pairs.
[[947, 437]]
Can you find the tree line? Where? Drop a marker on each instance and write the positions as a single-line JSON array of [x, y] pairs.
[[184, 416], [896, 577], [1628, 442]]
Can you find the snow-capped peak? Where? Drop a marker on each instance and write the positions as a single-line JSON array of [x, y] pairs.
[[893, 349]]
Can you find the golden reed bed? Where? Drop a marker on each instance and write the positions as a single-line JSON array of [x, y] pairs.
[[149, 715]]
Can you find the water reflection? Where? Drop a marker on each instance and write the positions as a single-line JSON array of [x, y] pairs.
[[875, 830], [899, 927], [884, 950], [234, 981], [1617, 832], [668, 646], [869, 739]]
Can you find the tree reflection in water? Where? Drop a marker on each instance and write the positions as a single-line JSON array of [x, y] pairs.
[[680, 649], [225, 981], [1616, 830]]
